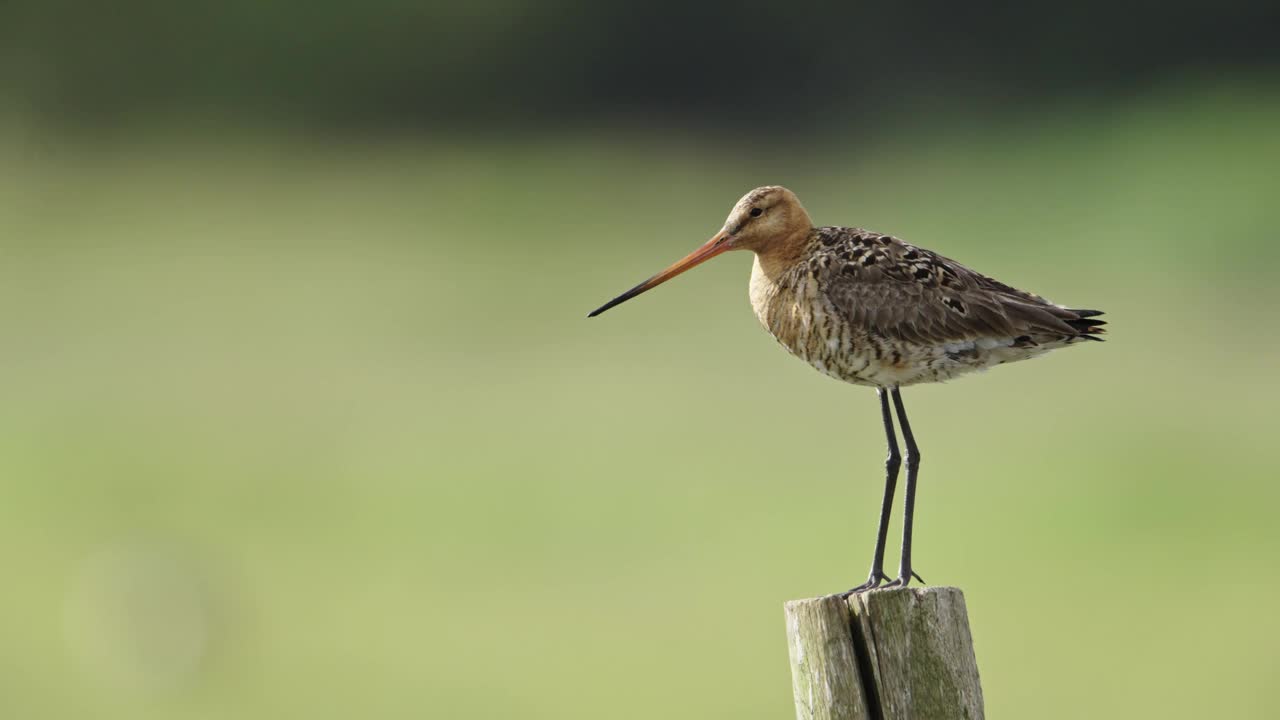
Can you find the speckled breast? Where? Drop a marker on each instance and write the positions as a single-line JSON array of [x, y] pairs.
[[793, 309]]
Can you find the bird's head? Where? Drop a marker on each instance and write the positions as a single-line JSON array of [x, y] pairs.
[[765, 217], [766, 220]]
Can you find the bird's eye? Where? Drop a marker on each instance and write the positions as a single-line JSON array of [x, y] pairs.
[[756, 212]]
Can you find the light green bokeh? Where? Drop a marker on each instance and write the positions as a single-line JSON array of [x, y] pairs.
[[297, 428]]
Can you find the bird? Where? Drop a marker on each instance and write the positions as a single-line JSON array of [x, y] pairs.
[[874, 310]]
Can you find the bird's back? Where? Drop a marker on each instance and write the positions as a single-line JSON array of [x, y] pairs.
[[871, 309]]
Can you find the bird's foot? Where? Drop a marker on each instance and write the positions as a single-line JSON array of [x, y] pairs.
[[903, 578], [873, 581]]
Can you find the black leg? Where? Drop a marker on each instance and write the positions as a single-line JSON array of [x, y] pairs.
[[891, 465], [905, 573]]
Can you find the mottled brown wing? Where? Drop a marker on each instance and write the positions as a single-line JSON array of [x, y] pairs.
[[904, 292]]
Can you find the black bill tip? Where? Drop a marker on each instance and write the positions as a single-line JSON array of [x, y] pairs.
[[621, 298], [606, 306]]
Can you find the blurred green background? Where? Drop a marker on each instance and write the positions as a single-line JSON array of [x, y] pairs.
[[302, 417]]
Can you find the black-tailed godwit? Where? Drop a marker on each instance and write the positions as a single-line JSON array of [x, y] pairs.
[[873, 310]]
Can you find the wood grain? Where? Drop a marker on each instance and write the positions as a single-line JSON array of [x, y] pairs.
[[895, 654]]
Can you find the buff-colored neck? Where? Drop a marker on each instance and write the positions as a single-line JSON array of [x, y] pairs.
[[782, 254]]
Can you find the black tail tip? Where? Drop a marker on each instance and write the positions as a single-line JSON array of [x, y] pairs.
[[1088, 328], [1084, 326]]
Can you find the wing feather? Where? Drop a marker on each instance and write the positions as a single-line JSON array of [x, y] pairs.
[[904, 292]]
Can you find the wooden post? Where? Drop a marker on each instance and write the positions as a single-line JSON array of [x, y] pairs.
[[894, 654]]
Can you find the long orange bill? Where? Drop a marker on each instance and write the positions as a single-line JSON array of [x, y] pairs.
[[712, 248]]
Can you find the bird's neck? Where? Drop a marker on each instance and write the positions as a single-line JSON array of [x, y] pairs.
[[782, 255]]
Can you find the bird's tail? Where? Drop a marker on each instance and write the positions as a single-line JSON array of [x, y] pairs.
[[1086, 325]]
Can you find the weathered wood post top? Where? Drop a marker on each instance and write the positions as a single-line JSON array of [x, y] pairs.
[[892, 654]]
